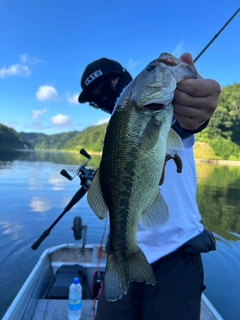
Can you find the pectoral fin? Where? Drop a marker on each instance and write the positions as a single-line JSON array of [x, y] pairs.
[[95, 198], [174, 142], [156, 214], [150, 135]]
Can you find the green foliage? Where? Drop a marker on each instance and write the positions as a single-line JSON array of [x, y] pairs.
[[223, 131], [10, 139], [226, 120], [203, 151], [225, 149], [90, 139], [40, 141], [220, 140]]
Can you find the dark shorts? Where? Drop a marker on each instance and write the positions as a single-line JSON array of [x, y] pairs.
[[175, 296]]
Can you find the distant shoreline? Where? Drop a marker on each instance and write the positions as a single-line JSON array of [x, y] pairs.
[[207, 161], [220, 162]]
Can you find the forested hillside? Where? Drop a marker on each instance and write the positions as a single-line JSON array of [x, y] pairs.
[[10, 139], [90, 138], [47, 142], [220, 140]]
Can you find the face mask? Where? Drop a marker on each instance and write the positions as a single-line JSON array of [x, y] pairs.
[[109, 94]]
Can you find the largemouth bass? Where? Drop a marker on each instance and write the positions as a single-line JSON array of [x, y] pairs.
[[126, 185]]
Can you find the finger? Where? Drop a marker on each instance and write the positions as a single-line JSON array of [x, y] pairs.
[[185, 99], [192, 120], [187, 57], [187, 123], [199, 87], [191, 112]]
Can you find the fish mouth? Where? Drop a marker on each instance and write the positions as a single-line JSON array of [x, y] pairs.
[[155, 106]]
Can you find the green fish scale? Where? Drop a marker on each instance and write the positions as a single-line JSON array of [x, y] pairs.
[[116, 172], [118, 176]]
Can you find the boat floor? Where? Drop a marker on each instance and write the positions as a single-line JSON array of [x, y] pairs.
[[58, 309]]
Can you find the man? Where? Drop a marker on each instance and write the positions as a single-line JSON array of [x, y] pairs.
[[174, 250]]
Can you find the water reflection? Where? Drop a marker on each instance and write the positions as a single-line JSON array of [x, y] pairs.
[[218, 198], [12, 229], [40, 205], [218, 186], [33, 194], [34, 184], [57, 183], [41, 156]]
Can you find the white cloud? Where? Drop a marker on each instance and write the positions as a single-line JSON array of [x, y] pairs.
[[15, 70], [30, 61], [178, 50], [21, 69], [46, 93], [38, 113], [61, 120], [102, 121], [37, 125], [10, 124], [24, 58], [72, 99], [132, 64]]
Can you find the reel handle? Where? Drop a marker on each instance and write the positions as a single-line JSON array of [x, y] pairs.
[[84, 153]]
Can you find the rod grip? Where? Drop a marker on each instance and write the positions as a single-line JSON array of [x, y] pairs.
[[40, 240]]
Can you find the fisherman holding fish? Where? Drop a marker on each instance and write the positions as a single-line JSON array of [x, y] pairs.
[[154, 268]]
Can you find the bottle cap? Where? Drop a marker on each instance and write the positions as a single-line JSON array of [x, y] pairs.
[[76, 280]]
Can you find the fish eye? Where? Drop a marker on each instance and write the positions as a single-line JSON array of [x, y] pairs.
[[151, 67]]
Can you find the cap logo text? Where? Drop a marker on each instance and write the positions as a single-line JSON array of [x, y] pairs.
[[93, 76]]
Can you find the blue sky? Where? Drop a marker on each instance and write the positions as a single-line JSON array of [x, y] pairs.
[[46, 45]]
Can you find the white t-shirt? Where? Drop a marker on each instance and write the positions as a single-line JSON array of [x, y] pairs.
[[179, 191]]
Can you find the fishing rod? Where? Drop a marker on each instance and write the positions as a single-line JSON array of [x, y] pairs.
[[86, 177], [216, 35]]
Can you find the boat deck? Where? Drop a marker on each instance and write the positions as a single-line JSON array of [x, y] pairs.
[[44, 295], [58, 309]]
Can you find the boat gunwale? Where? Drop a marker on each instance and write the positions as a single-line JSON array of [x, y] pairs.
[[46, 254]]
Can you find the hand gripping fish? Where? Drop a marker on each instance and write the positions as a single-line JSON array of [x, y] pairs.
[[126, 185]]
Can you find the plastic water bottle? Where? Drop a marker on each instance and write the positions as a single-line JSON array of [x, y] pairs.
[[75, 300]]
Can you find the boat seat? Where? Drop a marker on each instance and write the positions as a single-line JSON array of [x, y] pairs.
[[59, 288]]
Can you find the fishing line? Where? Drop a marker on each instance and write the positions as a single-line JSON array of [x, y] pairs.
[[216, 35], [213, 39]]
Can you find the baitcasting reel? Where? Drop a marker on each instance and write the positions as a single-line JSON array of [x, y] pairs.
[[86, 176]]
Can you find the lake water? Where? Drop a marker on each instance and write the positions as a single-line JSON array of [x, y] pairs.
[[33, 194]]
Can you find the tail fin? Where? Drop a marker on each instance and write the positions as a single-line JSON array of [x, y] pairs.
[[120, 271]]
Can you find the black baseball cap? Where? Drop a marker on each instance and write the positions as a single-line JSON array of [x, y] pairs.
[[97, 72]]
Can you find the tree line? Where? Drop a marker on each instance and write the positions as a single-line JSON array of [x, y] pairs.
[[223, 131], [221, 137]]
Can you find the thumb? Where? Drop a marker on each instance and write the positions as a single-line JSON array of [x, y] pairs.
[[187, 57]]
